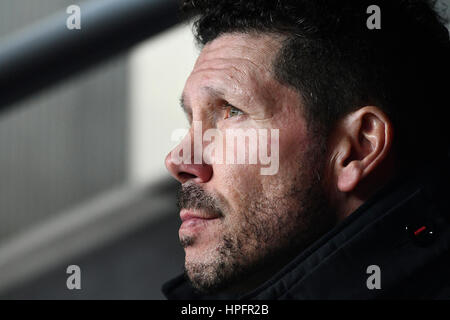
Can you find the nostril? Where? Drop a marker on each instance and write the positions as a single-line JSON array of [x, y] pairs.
[[186, 172], [186, 176]]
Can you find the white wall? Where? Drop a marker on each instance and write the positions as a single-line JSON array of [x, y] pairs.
[[158, 71]]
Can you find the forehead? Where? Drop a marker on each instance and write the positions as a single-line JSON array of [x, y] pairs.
[[235, 61], [258, 49]]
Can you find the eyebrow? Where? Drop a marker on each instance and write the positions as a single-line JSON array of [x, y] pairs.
[[212, 91]]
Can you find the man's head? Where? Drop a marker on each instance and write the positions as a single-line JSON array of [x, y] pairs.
[[335, 91]]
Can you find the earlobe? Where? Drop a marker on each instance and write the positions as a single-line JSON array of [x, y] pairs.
[[349, 176]]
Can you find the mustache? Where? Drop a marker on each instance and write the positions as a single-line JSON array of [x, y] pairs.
[[192, 196]]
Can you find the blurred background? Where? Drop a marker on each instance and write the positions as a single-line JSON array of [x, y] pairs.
[[82, 176], [82, 171]]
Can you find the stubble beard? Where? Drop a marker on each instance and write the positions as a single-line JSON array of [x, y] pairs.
[[270, 232]]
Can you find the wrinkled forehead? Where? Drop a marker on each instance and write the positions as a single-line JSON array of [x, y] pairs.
[[237, 64], [252, 49]]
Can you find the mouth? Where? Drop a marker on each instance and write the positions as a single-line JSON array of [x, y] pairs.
[[195, 221]]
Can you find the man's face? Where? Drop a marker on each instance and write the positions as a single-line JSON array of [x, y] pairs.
[[238, 223]]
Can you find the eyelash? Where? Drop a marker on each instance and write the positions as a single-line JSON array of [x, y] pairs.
[[228, 108]]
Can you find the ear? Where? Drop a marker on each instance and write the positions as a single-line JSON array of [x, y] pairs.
[[363, 141]]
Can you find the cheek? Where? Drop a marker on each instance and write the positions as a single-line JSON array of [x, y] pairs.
[[292, 147], [241, 183], [237, 183], [291, 154]]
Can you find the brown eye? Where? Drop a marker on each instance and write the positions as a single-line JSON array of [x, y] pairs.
[[231, 111]]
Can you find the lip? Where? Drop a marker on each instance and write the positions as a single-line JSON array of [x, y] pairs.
[[186, 215], [194, 221]]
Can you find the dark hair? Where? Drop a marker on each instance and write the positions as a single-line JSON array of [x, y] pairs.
[[338, 64]]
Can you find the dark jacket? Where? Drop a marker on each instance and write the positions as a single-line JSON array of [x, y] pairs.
[[404, 230]]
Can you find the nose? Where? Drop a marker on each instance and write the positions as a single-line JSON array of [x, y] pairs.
[[184, 172]]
